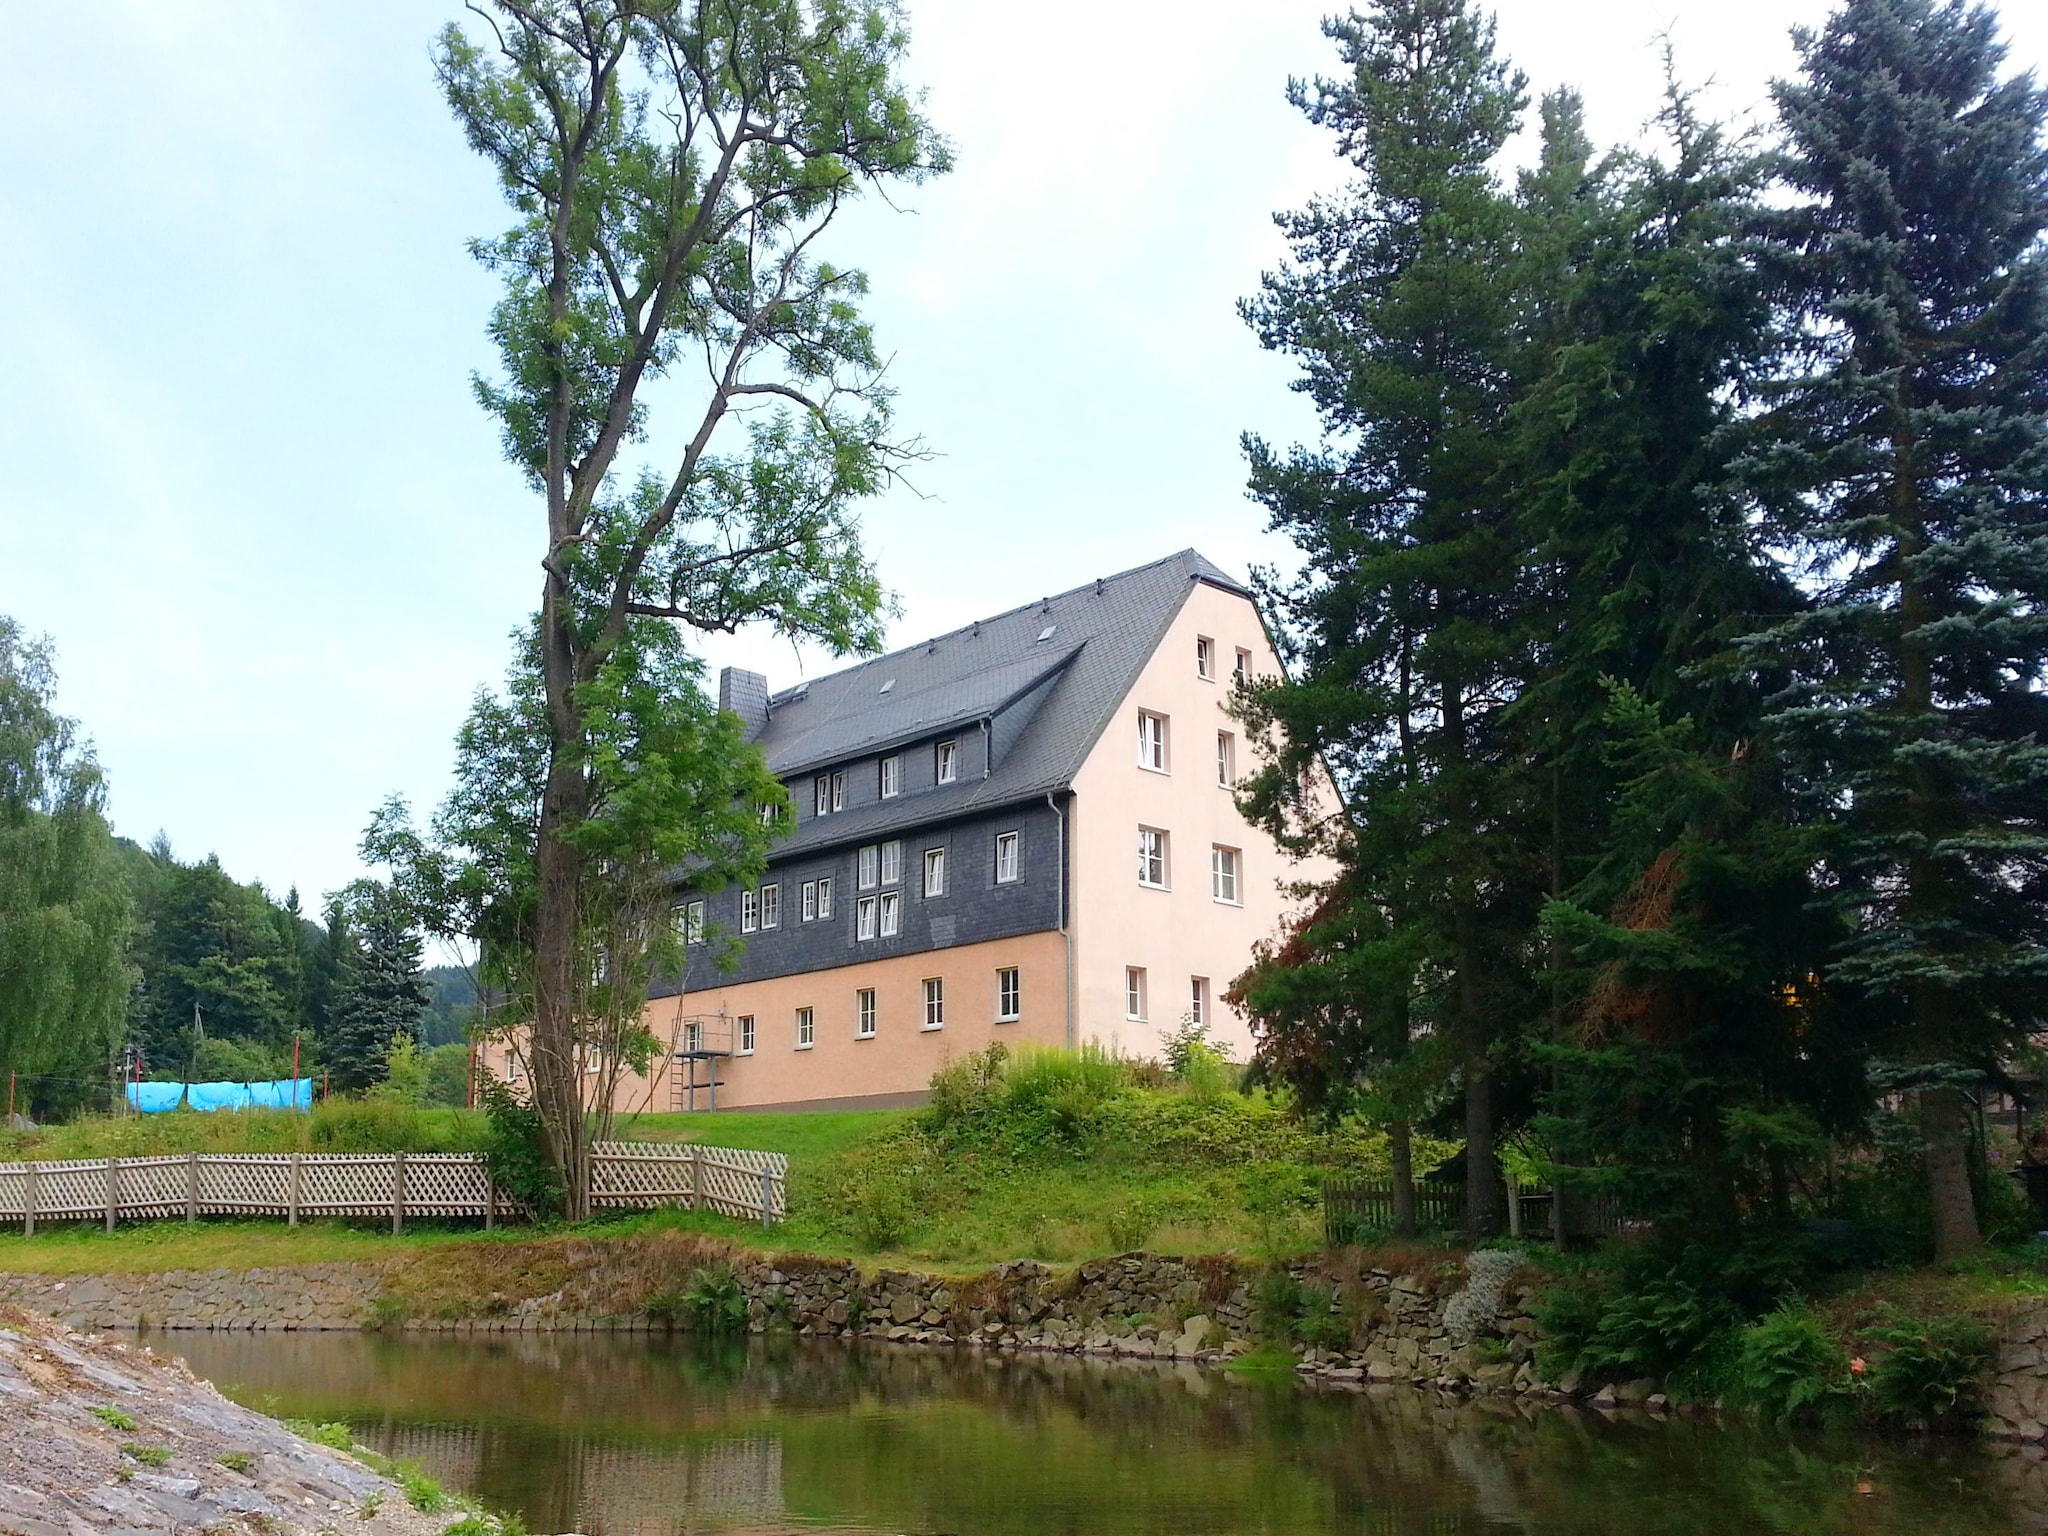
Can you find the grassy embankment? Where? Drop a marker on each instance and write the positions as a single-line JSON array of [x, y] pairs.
[[1056, 1157]]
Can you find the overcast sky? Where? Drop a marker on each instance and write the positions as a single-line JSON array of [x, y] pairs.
[[248, 495]]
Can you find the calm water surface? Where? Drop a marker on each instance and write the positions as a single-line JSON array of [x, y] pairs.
[[638, 1437]]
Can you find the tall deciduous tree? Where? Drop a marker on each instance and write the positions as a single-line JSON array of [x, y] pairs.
[[1395, 304], [64, 906], [673, 167], [1906, 460]]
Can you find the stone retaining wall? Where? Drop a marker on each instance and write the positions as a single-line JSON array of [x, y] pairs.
[[1384, 1326]]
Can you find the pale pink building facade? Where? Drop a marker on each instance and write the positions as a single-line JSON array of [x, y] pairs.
[[1024, 831]]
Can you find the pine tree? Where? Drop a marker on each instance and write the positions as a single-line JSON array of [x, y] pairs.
[[1394, 303], [1905, 459], [380, 995]]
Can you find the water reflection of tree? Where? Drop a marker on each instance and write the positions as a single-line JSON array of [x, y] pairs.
[[633, 1437]]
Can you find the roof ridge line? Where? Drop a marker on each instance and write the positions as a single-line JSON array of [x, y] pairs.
[[972, 624]]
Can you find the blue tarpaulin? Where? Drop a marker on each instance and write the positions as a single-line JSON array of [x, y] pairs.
[[155, 1098], [281, 1093]]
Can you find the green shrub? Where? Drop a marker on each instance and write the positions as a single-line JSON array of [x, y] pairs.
[[883, 1214], [1651, 1325], [1787, 1364], [1927, 1369], [1277, 1301], [714, 1302], [237, 1461], [1321, 1325], [1128, 1225], [149, 1455], [518, 1150], [114, 1418], [365, 1125]]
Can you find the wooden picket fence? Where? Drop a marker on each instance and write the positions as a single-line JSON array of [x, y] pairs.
[[623, 1176], [1358, 1208]]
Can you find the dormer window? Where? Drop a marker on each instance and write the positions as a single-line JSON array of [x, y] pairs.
[[948, 762], [829, 793]]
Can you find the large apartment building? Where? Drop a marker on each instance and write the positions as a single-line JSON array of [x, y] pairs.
[[1021, 831]]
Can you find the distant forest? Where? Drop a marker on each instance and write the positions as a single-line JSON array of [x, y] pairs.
[[227, 977]]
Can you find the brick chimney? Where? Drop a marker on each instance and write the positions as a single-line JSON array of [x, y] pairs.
[[746, 695]]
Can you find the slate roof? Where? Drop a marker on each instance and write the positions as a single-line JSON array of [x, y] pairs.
[[1103, 633]]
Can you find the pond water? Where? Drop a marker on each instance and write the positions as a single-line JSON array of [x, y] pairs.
[[660, 1437]]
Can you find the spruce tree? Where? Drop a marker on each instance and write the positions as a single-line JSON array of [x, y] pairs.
[[1904, 458], [380, 995], [1395, 305]]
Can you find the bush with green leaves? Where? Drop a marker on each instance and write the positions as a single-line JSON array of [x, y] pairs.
[[1927, 1370], [714, 1301], [518, 1150], [1788, 1365]]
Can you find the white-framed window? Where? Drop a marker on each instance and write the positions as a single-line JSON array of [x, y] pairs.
[[1223, 882], [746, 1034], [934, 1003], [822, 794], [1009, 995], [1205, 658], [870, 867], [768, 815], [1152, 864], [1134, 992], [1006, 857], [1242, 670], [892, 913], [825, 900], [806, 1028], [1226, 760], [690, 922], [864, 1014], [935, 872], [693, 1036], [948, 762], [807, 910], [1151, 741], [750, 911], [771, 906], [892, 863], [892, 776], [1198, 1000], [864, 918]]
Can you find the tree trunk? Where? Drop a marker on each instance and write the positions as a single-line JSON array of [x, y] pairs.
[[1482, 1171], [1400, 1151], [1951, 1203], [1944, 1129], [557, 1085]]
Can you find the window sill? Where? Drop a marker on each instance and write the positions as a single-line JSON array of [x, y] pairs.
[[1134, 1018], [858, 1038], [1164, 773], [929, 1029], [1226, 901], [743, 1053], [811, 1046], [1008, 1018], [1148, 885]]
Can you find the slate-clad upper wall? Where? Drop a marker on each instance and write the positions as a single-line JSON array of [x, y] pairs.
[[973, 909]]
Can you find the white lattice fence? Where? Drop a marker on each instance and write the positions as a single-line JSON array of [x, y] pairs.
[[750, 1185], [623, 1175]]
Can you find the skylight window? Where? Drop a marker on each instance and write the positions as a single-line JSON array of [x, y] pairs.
[[1046, 633], [888, 685]]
